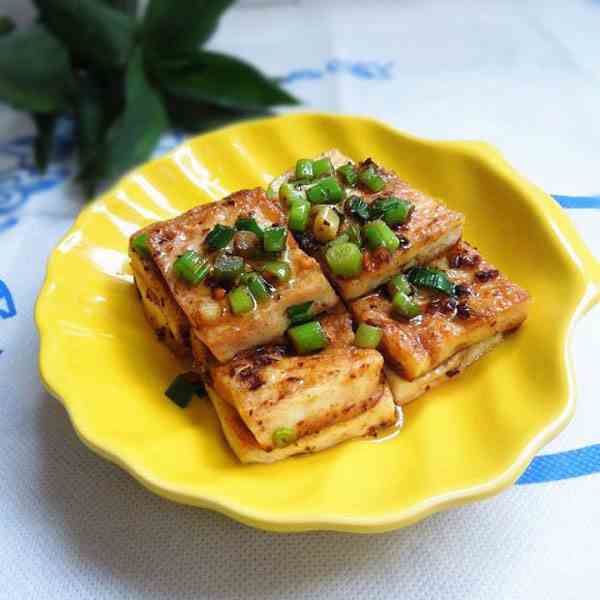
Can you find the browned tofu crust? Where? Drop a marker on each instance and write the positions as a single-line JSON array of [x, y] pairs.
[[271, 388], [224, 333], [487, 303]]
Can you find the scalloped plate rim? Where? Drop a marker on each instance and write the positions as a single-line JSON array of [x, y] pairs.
[[478, 150]]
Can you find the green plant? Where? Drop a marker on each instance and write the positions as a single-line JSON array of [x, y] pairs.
[[125, 80]]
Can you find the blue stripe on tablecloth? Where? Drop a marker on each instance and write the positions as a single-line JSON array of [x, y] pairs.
[[578, 201], [563, 465]]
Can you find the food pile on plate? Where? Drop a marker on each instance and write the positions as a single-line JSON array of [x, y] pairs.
[[315, 309]]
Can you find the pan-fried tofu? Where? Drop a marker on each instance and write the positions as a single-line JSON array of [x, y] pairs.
[[382, 415], [431, 229], [162, 312], [224, 333], [272, 389], [405, 391], [486, 303]]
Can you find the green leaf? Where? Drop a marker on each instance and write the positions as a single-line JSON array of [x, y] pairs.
[[197, 117], [172, 29], [92, 118], [6, 25], [129, 7], [29, 83], [133, 136], [91, 29], [222, 80], [44, 141]]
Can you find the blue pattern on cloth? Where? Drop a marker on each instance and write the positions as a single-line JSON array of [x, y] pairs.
[[7, 304], [562, 465]]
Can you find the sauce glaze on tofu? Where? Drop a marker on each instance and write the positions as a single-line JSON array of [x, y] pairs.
[[430, 229], [209, 313], [486, 303]]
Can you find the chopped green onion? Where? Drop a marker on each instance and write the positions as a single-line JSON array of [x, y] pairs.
[[259, 288], [405, 306], [357, 207], [353, 233], [183, 387], [274, 238], [304, 168], [308, 337], [340, 239], [192, 267], [299, 215], [300, 313], [283, 436], [227, 268], [291, 194], [377, 234], [431, 278], [326, 224], [140, 244], [348, 173], [249, 224], [398, 283], [394, 211], [369, 178], [321, 167], [279, 270], [344, 260], [219, 237], [241, 300], [368, 336], [326, 191]]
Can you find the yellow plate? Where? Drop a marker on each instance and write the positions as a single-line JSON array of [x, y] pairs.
[[467, 440]]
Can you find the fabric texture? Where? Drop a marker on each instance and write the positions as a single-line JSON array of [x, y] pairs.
[[523, 76]]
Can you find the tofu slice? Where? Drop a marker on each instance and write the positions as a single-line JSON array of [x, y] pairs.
[[224, 333], [162, 312], [272, 389], [431, 229], [405, 391], [488, 304], [382, 415]]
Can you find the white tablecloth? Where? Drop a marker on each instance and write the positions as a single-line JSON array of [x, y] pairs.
[[524, 76]]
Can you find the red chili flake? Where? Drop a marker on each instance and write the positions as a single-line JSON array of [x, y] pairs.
[[463, 311], [462, 290], [464, 260], [218, 293], [452, 372]]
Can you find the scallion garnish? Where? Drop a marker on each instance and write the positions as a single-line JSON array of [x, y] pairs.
[[241, 300], [299, 215], [283, 436], [308, 337], [393, 210], [219, 237], [370, 179], [348, 174], [300, 313], [326, 224], [344, 260], [321, 167], [274, 238], [405, 306], [192, 267], [290, 193], [259, 288], [398, 283], [326, 191], [304, 168], [183, 387], [280, 270], [377, 233], [227, 268], [140, 244], [431, 278], [249, 224], [357, 207], [368, 336]]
